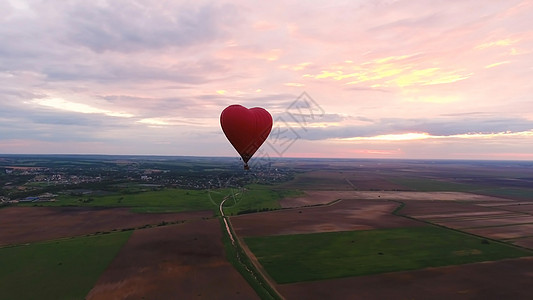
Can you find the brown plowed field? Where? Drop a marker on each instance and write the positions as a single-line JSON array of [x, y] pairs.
[[313, 198], [368, 181], [504, 232], [340, 216], [526, 208], [30, 224], [422, 208], [185, 261], [495, 221], [480, 216], [506, 279], [435, 196], [507, 203], [320, 180], [458, 215], [342, 180], [524, 242], [322, 197]]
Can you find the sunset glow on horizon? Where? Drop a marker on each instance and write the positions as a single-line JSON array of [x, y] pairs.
[[383, 79], [424, 135]]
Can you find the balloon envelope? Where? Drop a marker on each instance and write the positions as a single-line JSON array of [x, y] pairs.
[[246, 129]]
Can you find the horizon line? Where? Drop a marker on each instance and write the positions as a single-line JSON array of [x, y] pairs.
[[273, 158]]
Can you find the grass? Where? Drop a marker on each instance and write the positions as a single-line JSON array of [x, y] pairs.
[[253, 198], [166, 200], [432, 185], [514, 193], [305, 257], [238, 258], [60, 269], [311, 181]]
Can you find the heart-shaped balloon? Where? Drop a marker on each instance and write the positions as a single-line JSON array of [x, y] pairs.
[[246, 129]]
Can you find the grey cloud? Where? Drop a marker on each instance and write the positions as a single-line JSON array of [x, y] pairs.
[[149, 107], [32, 122], [54, 129], [185, 73], [12, 94], [125, 26], [272, 102], [464, 125], [430, 20], [313, 119], [363, 119], [84, 41], [474, 113], [17, 115], [438, 127], [367, 89]]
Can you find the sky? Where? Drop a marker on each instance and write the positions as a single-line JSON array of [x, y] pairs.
[[407, 79]]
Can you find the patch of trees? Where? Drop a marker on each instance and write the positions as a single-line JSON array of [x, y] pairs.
[[256, 210]]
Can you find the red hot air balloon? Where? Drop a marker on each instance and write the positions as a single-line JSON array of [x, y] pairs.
[[246, 129]]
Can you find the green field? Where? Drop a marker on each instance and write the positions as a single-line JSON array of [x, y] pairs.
[[252, 198], [305, 257], [311, 181], [61, 269], [514, 193], [166, 200], [432, 185]]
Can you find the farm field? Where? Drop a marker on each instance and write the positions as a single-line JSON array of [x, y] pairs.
[[429, 184], [30, 224], [389, 210], [166, 200], [184, 261], [526, 242], [504, 232], [319, 180], [338, 229], [504, 279], [520, 207], [252, 198], [355, 253], [509, 221], [341, 216], [312, 197], [57, 269], [485, 221], [433, 209]]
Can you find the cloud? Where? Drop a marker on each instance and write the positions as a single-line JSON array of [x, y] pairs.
[[422, 136], [125, 27], [138, 75], [393, 71], [116, 41], [419, 128], [323, 118], [62, 104]]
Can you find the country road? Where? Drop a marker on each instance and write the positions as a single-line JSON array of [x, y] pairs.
[[267, 280], [226, 220]]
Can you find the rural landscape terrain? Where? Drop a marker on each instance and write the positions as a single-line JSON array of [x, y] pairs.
[[149, 227]]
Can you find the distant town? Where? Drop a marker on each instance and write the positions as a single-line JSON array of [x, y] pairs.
[[41, 179]]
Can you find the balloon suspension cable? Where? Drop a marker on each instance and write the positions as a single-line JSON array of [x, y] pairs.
[[246, 166]]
